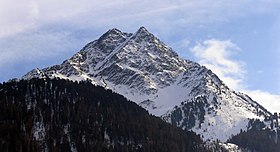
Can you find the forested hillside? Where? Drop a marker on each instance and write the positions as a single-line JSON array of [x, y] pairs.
[[258, 139], [61, 115]]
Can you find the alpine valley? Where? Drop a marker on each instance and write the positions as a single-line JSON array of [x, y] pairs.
[[181, 92]]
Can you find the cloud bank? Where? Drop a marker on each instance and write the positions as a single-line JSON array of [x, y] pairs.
[[268, 100], [217, 55], [18, 16]]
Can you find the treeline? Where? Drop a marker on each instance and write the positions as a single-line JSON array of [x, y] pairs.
[[61, 115]]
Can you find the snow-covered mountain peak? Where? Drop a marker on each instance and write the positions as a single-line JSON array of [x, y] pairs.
[[143, 34], [114, 30], [145, 70], [142, 29]]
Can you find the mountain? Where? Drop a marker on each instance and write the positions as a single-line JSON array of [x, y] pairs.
[[61, 115], [145, 70]]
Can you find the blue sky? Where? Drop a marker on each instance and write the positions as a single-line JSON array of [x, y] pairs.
[[239, 40]]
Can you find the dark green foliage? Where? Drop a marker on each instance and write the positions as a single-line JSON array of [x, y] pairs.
[[58, 115], [186, 114], [257, 139]]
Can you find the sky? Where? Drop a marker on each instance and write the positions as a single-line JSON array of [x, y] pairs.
[[238, 40]]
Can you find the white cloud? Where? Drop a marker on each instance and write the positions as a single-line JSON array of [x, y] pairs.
[[18, 16], [215, 54], [268, 100], [14, 18]]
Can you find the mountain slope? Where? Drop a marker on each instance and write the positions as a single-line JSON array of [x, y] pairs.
[[145, 70], [60, 115]]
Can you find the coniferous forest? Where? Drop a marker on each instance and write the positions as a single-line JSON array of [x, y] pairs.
[[258, 139], [61, 115]]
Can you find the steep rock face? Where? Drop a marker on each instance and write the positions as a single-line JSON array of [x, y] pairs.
[[145, 70]]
